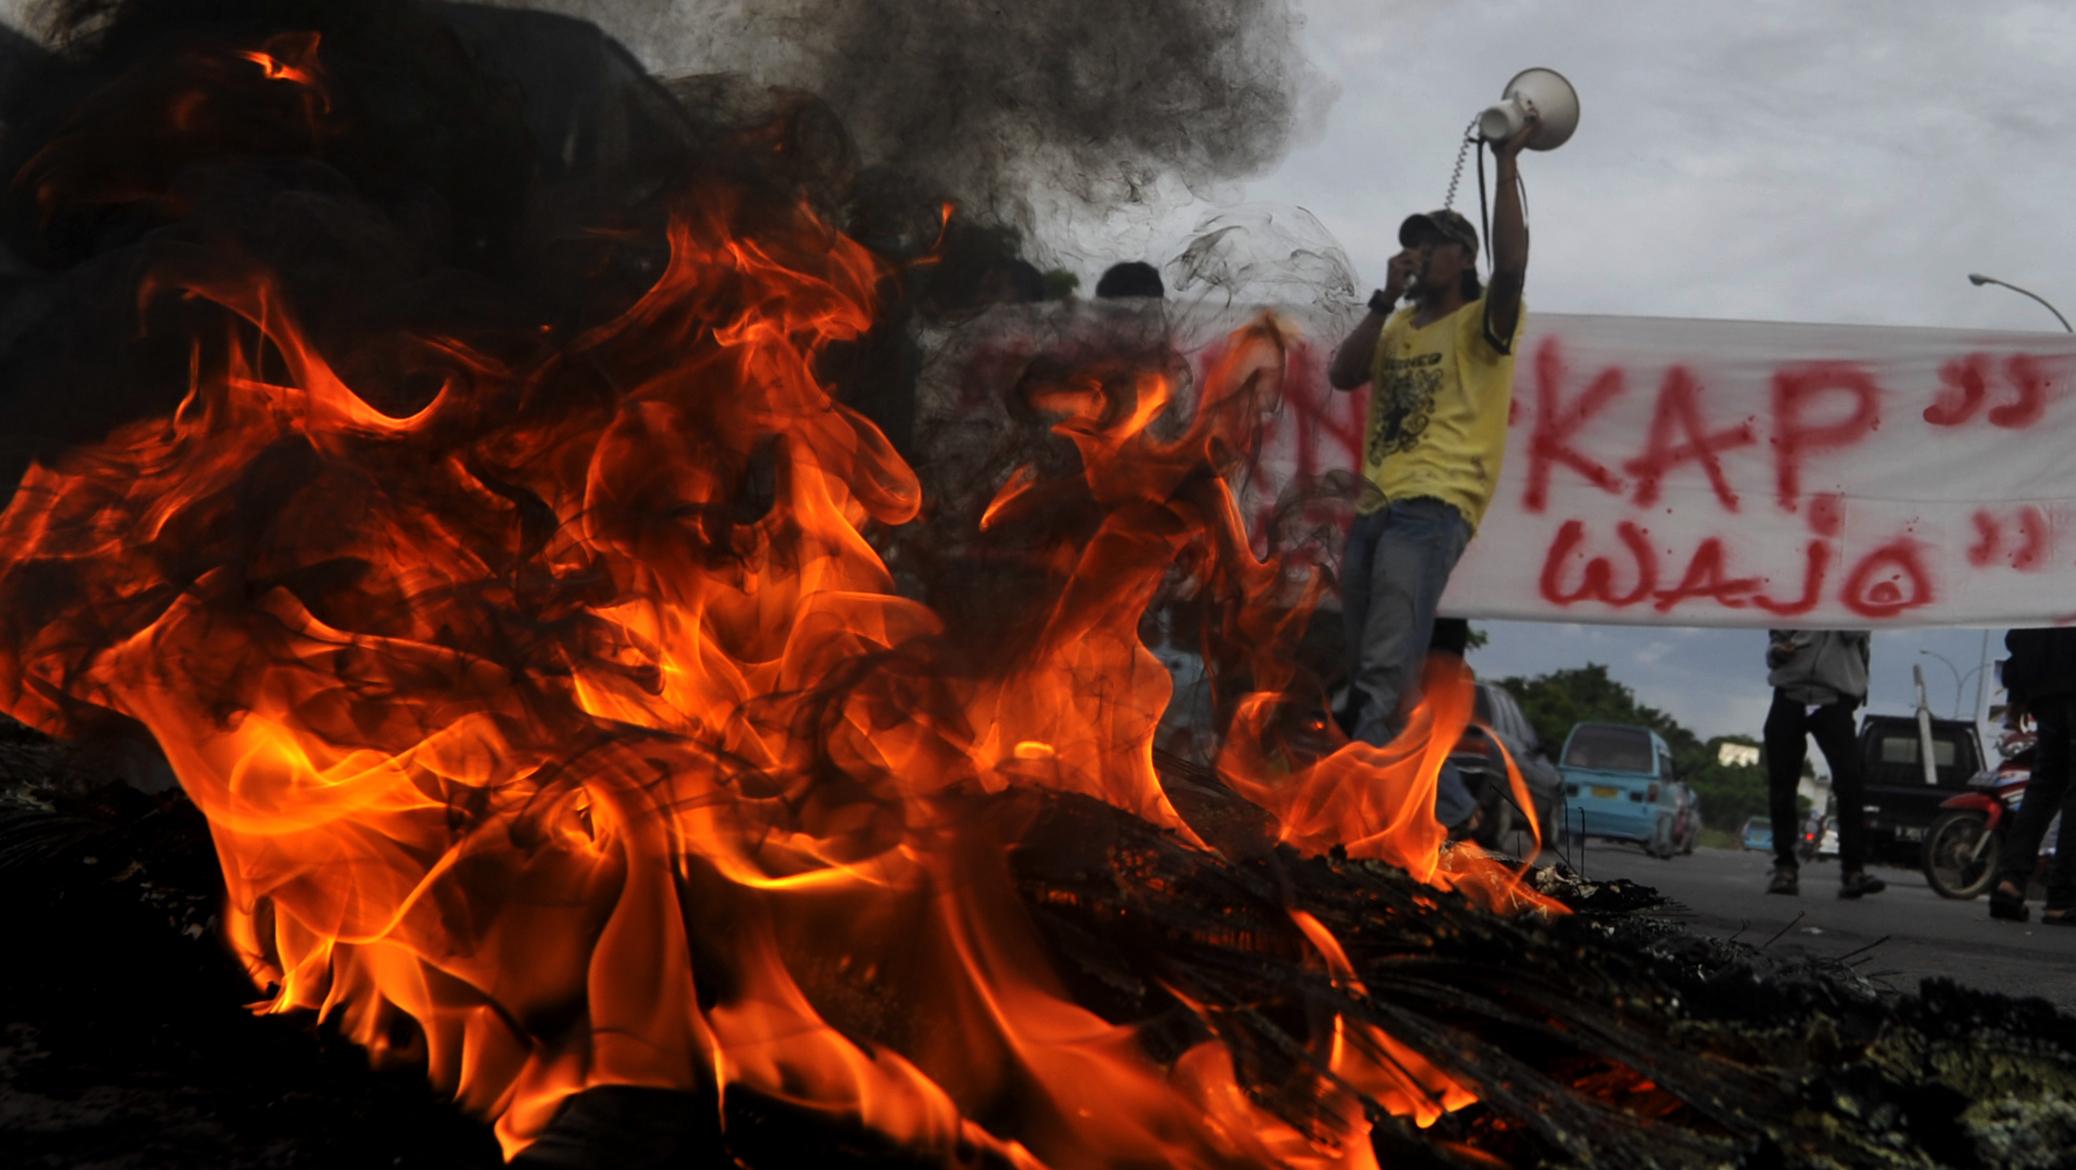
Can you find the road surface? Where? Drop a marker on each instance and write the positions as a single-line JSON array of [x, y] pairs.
[[1896, 938]]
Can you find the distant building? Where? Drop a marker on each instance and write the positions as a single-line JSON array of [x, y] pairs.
[[1815, 790], [1737, 755]]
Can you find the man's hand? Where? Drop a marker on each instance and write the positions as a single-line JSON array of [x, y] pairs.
[[1351, 365], [1778, 651], [1402, 272], [1511, 149]]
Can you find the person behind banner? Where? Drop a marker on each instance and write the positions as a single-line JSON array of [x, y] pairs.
[[2041, 678], [1442, 376], [1819, 677]]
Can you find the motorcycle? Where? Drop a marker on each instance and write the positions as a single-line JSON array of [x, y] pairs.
[[1819, 836], [1965, 842]]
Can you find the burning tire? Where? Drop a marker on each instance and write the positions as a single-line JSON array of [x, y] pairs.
[[1961, 853]]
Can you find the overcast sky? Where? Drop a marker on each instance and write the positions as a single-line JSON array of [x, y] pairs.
[[1843, 162]]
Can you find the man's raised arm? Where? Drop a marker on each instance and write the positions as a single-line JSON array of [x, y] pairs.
[[1509, 238]]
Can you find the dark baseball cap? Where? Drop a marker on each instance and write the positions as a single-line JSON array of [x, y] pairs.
[[1444, 225]]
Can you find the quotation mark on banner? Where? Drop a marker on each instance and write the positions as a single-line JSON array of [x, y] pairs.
[[1965, 387], [1991, 543]]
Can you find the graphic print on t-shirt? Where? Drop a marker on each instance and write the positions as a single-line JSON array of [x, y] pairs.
[[1404, 403]]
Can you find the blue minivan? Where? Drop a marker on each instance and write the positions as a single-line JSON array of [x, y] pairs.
[[1618, 782]]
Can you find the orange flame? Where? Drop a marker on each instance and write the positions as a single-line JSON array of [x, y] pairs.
[[1378, 803], [533, 752], [293, 58]]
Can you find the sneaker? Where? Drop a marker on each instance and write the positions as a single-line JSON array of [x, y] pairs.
[[1784, 881], [1858, 884]]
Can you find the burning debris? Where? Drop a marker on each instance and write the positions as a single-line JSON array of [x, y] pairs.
[[463, 456], [1764, 1061]]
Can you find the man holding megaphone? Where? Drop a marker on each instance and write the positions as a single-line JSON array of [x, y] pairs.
[[1442, 376]]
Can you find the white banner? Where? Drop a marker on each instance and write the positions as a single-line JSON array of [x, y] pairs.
[[1729, 473]]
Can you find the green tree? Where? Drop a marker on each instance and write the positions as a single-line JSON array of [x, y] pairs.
[[1730, 793], [1060, 284], [1555, 701]]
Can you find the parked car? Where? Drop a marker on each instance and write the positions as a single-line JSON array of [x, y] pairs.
[[1899, 802], [1619, 784], [1757, 834], [1484, 771]]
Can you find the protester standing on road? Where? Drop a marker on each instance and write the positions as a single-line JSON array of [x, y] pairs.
[[1442, 375], [2040, 675], [1819, 677]]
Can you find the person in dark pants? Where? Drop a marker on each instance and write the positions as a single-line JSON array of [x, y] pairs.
[[2041, 677], [1819, 678]]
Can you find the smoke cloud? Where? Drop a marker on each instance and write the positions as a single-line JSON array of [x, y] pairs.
[[482, 172], [1004, 106]]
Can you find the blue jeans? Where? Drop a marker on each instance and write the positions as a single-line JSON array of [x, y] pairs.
[[1398, 560]]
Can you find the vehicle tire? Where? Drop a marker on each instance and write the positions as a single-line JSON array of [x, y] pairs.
[[1948, 841], [1661, 845]]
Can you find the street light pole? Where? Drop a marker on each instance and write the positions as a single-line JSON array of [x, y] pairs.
[[1982, 675], [1956, 672], [1978, 280], [1978, 675]]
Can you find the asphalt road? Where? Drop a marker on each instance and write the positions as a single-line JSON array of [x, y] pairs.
[[1896, 938]]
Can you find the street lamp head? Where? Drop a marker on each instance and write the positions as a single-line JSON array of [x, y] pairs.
[[1978, 280]]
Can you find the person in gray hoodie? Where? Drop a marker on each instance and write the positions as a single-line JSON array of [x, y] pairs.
[[1819, 677]]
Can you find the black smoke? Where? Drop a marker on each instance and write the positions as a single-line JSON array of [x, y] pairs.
[[483, 172], [1008, 106]]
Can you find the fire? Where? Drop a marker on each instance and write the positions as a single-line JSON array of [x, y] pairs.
[[292, 58], [1378, 803], [568, 731]]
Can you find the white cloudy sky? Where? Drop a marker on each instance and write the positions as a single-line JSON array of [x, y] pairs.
[[1840, 161]]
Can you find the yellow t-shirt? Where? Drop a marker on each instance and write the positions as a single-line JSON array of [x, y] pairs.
[[1439, 397]]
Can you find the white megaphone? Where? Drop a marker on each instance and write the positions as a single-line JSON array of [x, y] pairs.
[[1553, 98]]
